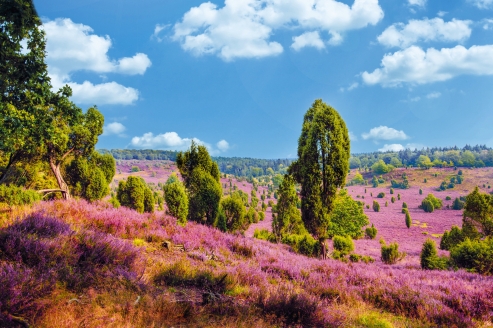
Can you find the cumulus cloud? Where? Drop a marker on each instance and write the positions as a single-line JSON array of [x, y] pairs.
[[419, 3], [243, 28], [426, 30], [482, 4], [73, 47], [416, 66], [384, 133], [487, 24], [352, 136], [391, 147], [308, 39], [172, 141], [222, 145], [351, 87], [114, 128]]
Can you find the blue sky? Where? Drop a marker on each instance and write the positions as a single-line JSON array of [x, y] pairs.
[[238, 75]]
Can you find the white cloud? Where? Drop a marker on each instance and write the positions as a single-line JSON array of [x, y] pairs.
[[415, 99], [114, 128], [243, 28], [426, 30], [487, 24], [399, 147], [391, 147], [308, 39], [482, 4], [419, 3], [110, 93], [352, 136], [441, 13], [222, 145], [157, 30], [172, 141], [384, 133], [414, 65], [433, 95], [73, 47], [351, 87]]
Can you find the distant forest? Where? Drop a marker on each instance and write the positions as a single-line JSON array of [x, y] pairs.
[[468, 156]]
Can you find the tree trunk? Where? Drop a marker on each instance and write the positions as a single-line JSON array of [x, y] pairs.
[[324, 249], [4, 175], [59, 178]]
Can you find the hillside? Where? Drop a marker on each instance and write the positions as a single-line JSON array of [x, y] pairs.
[[123, 276]]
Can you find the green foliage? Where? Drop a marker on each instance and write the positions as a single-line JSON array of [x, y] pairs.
[[176, 199], [251, 215], [374, 181], [303, 244], [424, 162], [400, 185], [458, 204], [381, 195], [264, 234], [478, 212], [288, 219], [391, 191], [202, 180], [429, 258], [371, 232], [390, 253], [404, 205], [376, 206], [347, 218], [114, 201], [448, 198], [392, 199], [15, 196], [398, 196], [408, 220], [234, 213], [135, 194], [322, 165], [135, 169], [420, 191], [358, 179], [474, 255], [380, 167], [344, 245], [89, 177], [431, 203], [452, 238]]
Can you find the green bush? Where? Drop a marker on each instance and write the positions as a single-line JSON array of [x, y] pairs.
[[390, 253], [404, 210], [474, 256], [448, 198], [398, 196], [371, 232], [429, 258], [135, 194], [420, 191], [135, 169], [404, 205], [451, 238], [344, 245], [408, 220], [303, 244], [430, 203], [367, 259], [263, 234], [15, 196], [114, 201], [355, 258], [391, 191], [458, 204], [176, 199], [392, 199], [381, 195], [376, 206]]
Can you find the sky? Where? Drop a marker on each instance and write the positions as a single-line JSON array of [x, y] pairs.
[[238, 75]]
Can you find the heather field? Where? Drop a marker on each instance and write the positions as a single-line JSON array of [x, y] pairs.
[[99, 266], [74, 263]]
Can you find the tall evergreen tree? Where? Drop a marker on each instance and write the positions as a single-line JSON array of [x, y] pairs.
[[322, 166]]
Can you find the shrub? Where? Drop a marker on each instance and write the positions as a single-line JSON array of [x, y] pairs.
[[448, 198], [381, 195], [398, 196], [135, 194], [15, 196], [355, 258], [420, 191], [261, 216], [263, 234], [400, 185], [391, 191], [390, 253], [430, 203], [408, 220], [386, 204], [392, 199], [114, 201], [376, 206], [458, 204], [429, 258], [367, 259], [425, 180], [404, 210], [474, 256], [303, 244], [371, 232], [176, 200], [344, 245], [347, 217], [135, 169], [404, 205], [460, 172]]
